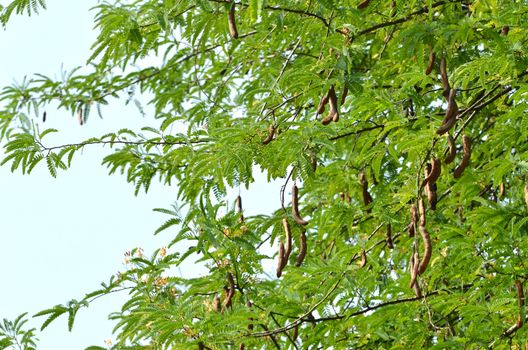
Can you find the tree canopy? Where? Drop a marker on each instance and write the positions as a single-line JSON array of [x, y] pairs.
[[398, 129]]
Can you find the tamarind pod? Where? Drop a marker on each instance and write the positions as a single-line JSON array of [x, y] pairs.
[[322, 103], [232, 24], [362, 5], [217, 303], [280, 262], [526, 195], [434, 173], [295, 332], [443, 75], [335, 117], [466, 147], [344, 94], [242, 347], [450, 115], [430, 66], [421, 211], [271, 134], [44, 117], [505, 30], [80, 116], [326, 120], [431, 195], [288, 245], [348, 199], [427, 250], [302, 249], [502, 190], [250, 326], [452, 150], [417, 290], [231, 291], [201, 346], [363, 261], [367, 198], [388, 238], [413, 268], [520, 299], [239, 208], [295, 207]]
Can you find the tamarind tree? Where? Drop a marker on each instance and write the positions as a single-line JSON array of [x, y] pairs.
[[398, 129]]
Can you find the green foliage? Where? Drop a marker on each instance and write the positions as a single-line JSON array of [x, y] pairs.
[[14, 336], [229, 108]]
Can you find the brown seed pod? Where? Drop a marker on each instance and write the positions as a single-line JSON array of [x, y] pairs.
[[280, 262], [452, 150], [388, 238], [80, 116], [432, 196], [427, 250], [295, 332], [322, 103], [363, 261], [239, 208], [434, 173], [502, 190], [288, 245], [231, 20], [430, 65], [217, 304], [201, 346], [417, 290], [520, 300], [505, 30], [44, 117], [450, 115], [344, 94], [302, 249], [333, 114], [413, 268], [445, 79], [295, 207], [421, 211], [271, 134], [466, 146], [362, 5], [367, 198], [231, 291]]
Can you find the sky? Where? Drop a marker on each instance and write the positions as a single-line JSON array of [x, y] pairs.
[[61, 237]]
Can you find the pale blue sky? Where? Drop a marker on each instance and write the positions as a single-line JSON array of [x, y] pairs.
[[59, 238]]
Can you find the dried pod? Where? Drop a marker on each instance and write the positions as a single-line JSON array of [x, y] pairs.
[[431, 195], [271, 134], [502, 190], [434, 173], [326, 120], [450, 115], [367, 198], [421, 211], [430, 65], [388, 238], [344, 94], [280, 262], [505, 30], [362, 5], [231, 291], [80, 116], [217, 304], [427, 250], [414, 218], [231, 20], [333, 114], [520, 300], [413, 268], [239, 208], [417, 290], [363, 261], [443, 75], [295, 332], [44, 117], [466, 146], [295, 207], [288, 245], [302, 249], [452, 150], [322, 103]]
